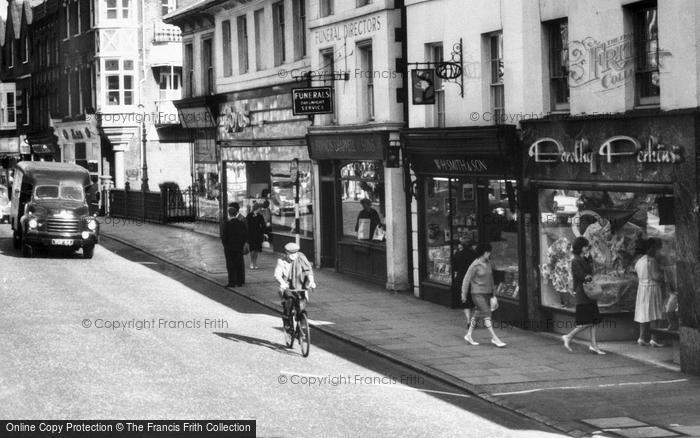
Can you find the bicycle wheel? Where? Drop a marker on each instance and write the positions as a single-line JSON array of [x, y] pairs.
[[304, 335], [288, 333]]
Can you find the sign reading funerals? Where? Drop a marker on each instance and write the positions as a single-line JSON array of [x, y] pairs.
[[312, 100]]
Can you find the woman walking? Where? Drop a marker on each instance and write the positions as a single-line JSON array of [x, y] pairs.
[[587, 314], [256, 234], [649, 305], [461, 260], [479, 281]]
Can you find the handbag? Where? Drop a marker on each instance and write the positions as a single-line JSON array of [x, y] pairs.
[[378, 233], [246, 248], [266, 243], [494, 303], [592, 290]]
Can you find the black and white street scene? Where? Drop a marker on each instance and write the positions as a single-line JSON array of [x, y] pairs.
[[349, 218]]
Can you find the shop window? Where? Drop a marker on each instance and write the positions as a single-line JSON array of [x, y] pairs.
[[558, 35], [362, 185], [208, 191], [646, 43], [10, 102], [470, 210], [256, 182], [615, 224]]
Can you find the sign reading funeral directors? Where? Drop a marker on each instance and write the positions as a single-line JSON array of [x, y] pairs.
[[312, 100]]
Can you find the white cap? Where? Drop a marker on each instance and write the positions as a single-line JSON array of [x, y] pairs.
[[291, 247]]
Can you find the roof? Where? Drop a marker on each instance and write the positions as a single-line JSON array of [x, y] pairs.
[[195, 8], [49, 171]]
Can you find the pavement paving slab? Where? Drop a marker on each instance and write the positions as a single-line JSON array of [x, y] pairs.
[[534, 375]]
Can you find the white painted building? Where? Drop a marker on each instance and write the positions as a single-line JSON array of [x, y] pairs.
[[559, 97]]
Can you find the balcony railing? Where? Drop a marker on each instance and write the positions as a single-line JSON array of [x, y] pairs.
[[166, 33]]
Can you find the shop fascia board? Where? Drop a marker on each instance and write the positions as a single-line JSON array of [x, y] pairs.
[[355, 129]]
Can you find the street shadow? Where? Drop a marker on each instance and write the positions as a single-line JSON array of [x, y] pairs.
[[258, 342], [7, 250]]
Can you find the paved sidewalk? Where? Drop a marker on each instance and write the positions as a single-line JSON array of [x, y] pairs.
[[533, 375]]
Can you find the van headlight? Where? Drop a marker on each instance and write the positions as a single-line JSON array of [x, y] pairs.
[[33, 224], [92, 225]]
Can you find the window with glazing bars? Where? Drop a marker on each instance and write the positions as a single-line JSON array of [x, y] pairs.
[[646, 43], [278, 30], [497, 71], [558, 34]]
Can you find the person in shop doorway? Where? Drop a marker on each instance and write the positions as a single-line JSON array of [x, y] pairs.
[[587, 313], [367, 220], [234, 237], [461, 260], [256, 234], [267, 215], [479, 282], [649, 305]]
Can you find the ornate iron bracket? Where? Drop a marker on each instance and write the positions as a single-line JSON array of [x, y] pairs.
[[311, 76], [451, 71]]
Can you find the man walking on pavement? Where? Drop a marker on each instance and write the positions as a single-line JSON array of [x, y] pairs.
[[234, 238]]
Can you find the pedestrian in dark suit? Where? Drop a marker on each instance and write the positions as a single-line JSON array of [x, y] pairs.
[[234, 238]]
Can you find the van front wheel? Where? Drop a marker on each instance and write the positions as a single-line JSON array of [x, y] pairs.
[[88, 251], [27, 251]]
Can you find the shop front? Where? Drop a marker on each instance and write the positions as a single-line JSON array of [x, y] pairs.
[[79, 143], [466, 189], [264, 173], [262, 154], [618, 183], [353, 203], [200, 125]]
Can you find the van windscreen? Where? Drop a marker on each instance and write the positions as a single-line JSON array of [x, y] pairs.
[[70, 193]]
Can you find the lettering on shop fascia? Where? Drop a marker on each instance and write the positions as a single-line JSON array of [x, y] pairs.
[[549, 150], [347, 146], [340, 32], [460, 165], [76, 134]]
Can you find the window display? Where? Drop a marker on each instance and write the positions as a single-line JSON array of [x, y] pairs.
[[615, 223], [362, 183], [464, 209], [257, 182], [207, 190]]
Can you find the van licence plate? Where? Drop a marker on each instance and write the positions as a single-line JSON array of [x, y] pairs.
[[64, 242]]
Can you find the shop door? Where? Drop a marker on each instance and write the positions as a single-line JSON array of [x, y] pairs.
[[327, 214]]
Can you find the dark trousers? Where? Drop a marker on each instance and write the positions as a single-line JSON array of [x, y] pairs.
[[235, 266]]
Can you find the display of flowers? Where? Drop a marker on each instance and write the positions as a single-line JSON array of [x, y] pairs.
[[558, 267]]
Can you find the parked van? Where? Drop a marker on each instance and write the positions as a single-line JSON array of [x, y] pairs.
[[49, 208]]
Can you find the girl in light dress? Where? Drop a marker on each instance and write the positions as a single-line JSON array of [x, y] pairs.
[[649, 306]]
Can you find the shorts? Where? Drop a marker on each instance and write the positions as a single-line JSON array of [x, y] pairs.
[[483, 304]]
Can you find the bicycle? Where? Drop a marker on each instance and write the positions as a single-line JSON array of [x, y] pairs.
[[300, 324]]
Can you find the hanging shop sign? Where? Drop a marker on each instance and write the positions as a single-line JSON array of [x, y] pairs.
[[312, 100], [550, 150]]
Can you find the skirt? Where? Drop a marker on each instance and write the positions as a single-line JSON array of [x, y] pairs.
[[587, 314], [650, 304], [483, 304]]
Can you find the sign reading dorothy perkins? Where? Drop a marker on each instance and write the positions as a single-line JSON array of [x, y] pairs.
[[312, 100]]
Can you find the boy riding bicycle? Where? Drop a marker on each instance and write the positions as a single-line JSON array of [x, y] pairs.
[[293, 272]]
